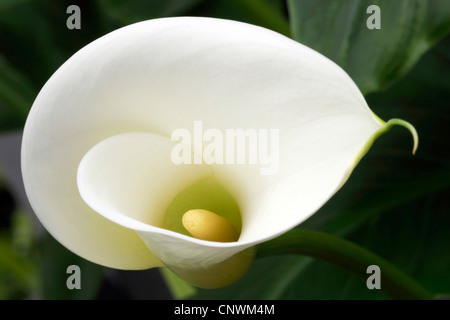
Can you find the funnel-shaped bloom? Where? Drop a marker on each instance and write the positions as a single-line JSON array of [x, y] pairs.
[[97, 153]]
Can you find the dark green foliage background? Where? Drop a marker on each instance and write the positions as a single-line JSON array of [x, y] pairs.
[[394, 204]]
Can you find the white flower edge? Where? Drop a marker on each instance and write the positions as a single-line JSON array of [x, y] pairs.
[[160, 75]]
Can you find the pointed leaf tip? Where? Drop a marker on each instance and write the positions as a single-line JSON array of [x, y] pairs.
[[408, 126]]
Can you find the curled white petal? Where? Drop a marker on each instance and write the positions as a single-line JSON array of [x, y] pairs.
[[161, 75], [131, 180]]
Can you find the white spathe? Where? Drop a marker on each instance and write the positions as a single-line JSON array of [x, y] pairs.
[[105, 119]]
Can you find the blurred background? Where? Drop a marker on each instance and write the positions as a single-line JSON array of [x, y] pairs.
[[395, 204]]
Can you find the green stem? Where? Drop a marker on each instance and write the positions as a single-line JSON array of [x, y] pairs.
[[347, 256]]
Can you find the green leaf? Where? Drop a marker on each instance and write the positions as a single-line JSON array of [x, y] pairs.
[[17, 273], [7, 4], [26, 38], [374, 58], [126, 12], [266, 13], [16, 96], [179, 288], [34, 42], [270, 14], [55, 259], [18, 268]]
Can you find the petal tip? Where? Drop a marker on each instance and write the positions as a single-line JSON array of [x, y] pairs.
[[408, 126]]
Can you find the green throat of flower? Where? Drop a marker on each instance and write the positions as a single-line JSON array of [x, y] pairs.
[[206, 211]]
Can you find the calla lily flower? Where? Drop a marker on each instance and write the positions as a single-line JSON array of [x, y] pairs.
[[97, 145]]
